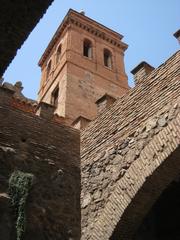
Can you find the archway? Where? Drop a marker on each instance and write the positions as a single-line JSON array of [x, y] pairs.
[[162, 221], [139, 214], [141, 185]]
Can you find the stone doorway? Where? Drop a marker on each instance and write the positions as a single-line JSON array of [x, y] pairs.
[[163, 220]]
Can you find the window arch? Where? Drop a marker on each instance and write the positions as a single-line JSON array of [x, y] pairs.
[[87, 48], [58, 53], [55, 96], [48, 69], [107, 58]]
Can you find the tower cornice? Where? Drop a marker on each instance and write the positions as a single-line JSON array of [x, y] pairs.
[[74, 18]]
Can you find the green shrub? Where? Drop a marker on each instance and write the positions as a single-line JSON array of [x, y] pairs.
[[19, 186]]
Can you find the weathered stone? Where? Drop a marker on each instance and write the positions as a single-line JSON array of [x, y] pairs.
[[124, 151], [108, 167], [93, 207], [123, 145], [137, 152], [172, 113], [107, 175], [97, 194], [122, 172], [162, 121], [100, 177], [118, 158], [142, 129], [115, 173], [8, 149], [106, 161], [144, 135], [86, 200], [151, 124], [111, 157], [106, 194], [130, 156], [132, 140], [156, 131], [112, 151], [95, 171], [105, 183]]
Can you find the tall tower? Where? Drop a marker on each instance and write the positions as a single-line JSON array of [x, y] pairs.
[[83, 61]]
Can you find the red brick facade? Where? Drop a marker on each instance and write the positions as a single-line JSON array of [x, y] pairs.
[[84, 61]]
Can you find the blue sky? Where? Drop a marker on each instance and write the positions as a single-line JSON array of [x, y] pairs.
[[147, 27]]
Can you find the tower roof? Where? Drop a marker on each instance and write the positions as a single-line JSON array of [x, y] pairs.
[[80, 20]]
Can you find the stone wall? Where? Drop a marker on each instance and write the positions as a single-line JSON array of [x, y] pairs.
[[115, 140], [49, 151], [141, 177]]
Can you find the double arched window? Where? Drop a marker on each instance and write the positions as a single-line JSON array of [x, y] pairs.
[[107, 58], [87, 48], [58, 53], [88, 52]]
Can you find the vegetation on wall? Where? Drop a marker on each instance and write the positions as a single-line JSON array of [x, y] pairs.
[[19, 186]]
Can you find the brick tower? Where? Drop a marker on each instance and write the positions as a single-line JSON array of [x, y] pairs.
[[83, 62]]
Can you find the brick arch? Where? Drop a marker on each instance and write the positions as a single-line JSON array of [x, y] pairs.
[[146, 197], [140, 187]]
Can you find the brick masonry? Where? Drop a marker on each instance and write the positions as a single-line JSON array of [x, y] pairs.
[[153, 163], [50, 151], [129, 153], [113, 143], [82, 80]]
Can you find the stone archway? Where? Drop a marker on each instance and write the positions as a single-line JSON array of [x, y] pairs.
[[140, 187]]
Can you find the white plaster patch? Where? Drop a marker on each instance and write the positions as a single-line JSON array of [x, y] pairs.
[[8, 149]]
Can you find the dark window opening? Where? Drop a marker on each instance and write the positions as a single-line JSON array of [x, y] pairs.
[[107, 58], [87, 49], [54, 97], [58, 54], [48, 70]]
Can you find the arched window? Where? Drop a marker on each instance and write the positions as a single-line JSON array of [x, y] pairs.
[[87, 48], [54, 97], [58, 53], [107, 58], [48, 70]]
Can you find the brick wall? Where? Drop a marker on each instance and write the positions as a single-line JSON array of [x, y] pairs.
[[113, 142], [82, 80], [50, 151]]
